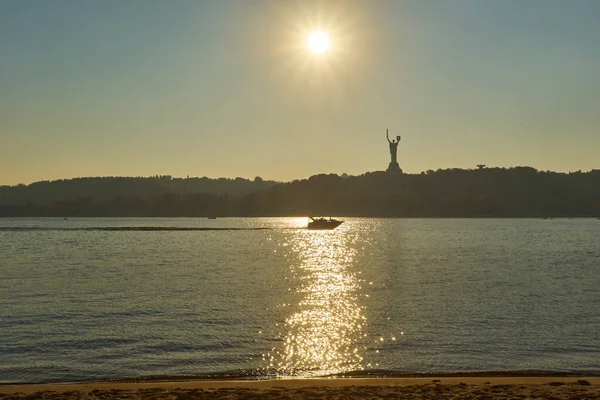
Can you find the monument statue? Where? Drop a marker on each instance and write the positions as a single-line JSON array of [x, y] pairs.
[[393, 167]]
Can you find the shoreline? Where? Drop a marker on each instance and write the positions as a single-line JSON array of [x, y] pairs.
[[427, 386], [373, 374]]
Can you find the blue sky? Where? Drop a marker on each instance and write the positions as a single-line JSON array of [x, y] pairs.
[[228, 88]]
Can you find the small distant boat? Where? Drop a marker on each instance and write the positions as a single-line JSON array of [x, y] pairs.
[[323, 223], [212, 217]]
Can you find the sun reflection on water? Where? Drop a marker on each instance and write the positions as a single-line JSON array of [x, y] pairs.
[[322, 336]]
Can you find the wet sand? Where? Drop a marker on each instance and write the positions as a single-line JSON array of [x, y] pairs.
[[513, 387]]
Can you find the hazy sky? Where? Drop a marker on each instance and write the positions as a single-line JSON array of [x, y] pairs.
[[228, 88]]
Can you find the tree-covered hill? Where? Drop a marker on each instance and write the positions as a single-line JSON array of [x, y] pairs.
[[493, 192], [101, 188], [489, 192]]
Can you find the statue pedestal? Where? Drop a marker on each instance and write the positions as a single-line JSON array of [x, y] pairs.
[[394, 168]]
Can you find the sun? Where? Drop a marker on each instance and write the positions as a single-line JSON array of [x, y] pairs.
[[318, 42]]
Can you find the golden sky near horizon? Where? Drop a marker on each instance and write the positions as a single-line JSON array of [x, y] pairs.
[[285, 90]]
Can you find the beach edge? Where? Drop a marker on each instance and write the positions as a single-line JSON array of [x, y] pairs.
[[166, 385]]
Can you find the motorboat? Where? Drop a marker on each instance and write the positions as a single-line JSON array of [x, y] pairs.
[[323, 223]]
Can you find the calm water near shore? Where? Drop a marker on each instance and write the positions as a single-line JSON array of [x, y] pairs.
[[373, 296]]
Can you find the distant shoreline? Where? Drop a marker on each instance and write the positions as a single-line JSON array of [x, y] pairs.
[[66, 218], [520, 192]]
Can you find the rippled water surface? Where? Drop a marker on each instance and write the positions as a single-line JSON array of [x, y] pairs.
[[373, 296]]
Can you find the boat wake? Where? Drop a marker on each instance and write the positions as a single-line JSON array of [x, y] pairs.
[[138, 228]]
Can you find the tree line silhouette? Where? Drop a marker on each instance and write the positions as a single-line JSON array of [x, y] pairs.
[[484, 192]]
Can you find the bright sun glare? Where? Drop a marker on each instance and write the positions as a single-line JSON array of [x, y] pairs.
[[318, 42]]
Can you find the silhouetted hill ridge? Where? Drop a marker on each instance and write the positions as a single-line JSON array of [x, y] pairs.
[[43, 192], [487, 192]]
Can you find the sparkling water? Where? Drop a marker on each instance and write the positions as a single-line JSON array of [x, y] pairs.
[[79, 301]]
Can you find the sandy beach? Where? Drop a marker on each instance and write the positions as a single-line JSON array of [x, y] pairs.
[[354, 388]]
